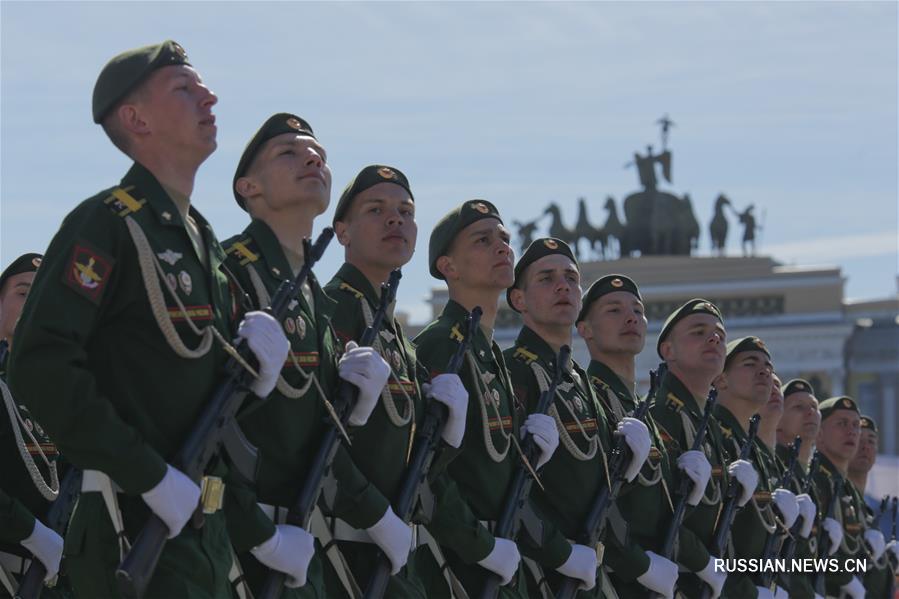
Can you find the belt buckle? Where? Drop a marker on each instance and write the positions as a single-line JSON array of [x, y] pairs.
[[212, 494]]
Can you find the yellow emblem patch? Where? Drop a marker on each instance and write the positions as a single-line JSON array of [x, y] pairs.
[[617, 283], [88, 272], [481, 207], [36, 262], [179, 50], [551, 244], [386, 173], [294, 123]]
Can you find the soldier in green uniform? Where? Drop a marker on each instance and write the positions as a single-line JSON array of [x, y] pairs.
[[29, 469], [547, 294], [284, 182], [744, 389], [802, 419], [613, 324], [692, 344], [469, 249], [132, 315], [880, 571], [838, 442], [375, 222]]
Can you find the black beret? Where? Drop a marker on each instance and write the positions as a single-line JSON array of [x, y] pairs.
[[831, 405], [607, 284], [694, 306], [369, 177], [24, 263], [127, 70], [449, 226], [745, 344], [868, 423], [539, 248], [275, 125], [797, 386]]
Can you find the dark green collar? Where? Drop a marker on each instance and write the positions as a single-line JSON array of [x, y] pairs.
[[730, 426], [607, 376], [672, 385], [358, 283], [455, 313], [270, 249], [532, 346]]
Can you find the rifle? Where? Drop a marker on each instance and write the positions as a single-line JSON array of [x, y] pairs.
[[788, 550], [771, 549], [427, 440], [683, 490], [215, 428], [895, 532], [595, 523], [729, 511], [520, 487], [823, 537], [57, 519], [4, 350], [300, 514]]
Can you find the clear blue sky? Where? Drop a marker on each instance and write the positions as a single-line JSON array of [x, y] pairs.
[[790, 106]]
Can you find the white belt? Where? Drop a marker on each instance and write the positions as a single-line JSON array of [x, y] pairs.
[[275, 513], [94, 481], [14, 564], [344, 532]]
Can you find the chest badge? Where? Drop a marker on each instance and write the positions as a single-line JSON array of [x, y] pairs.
[[487, 378], [185, 281], [388, 336], [290, 326], [301, 327], [169, 257]]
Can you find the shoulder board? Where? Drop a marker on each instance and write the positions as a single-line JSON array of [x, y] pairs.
[[456, 334], [122, 203], [600, 383], [523, 354], [673, 403], [241, 250], [349, 288]]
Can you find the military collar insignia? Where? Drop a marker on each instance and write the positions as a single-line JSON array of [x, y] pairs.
[[455, 334], [386, 173], [524, 354], [170, 257], [347, 287], [673, 403], [551, 244], [727, 432]]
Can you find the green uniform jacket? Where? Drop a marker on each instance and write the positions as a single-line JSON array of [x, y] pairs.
[[118, 398], [288, 430], [753, 522], [380, 448], [848, 514], [673, 408], [572, 477], [476, 487], [648, 504], [799, 585]]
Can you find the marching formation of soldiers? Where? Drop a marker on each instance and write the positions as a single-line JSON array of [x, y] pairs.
[[354, 461]]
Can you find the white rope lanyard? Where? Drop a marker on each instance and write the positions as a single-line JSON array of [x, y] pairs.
[[48, 491]]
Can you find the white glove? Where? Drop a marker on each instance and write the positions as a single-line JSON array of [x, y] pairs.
[[748, 478], [835, 532], [853, 589], [545, 433], [817, 596], [661, 575], [581, 564], [289, 550], [786, 503], [173, 499], [394, 537], [807, 511], [780, 593], [876, 543], [449, 390], [637, 437], [46, 546], [503, 560], [712, 578], [266, 339], [365, 368], [697, 468], [764, 593]]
